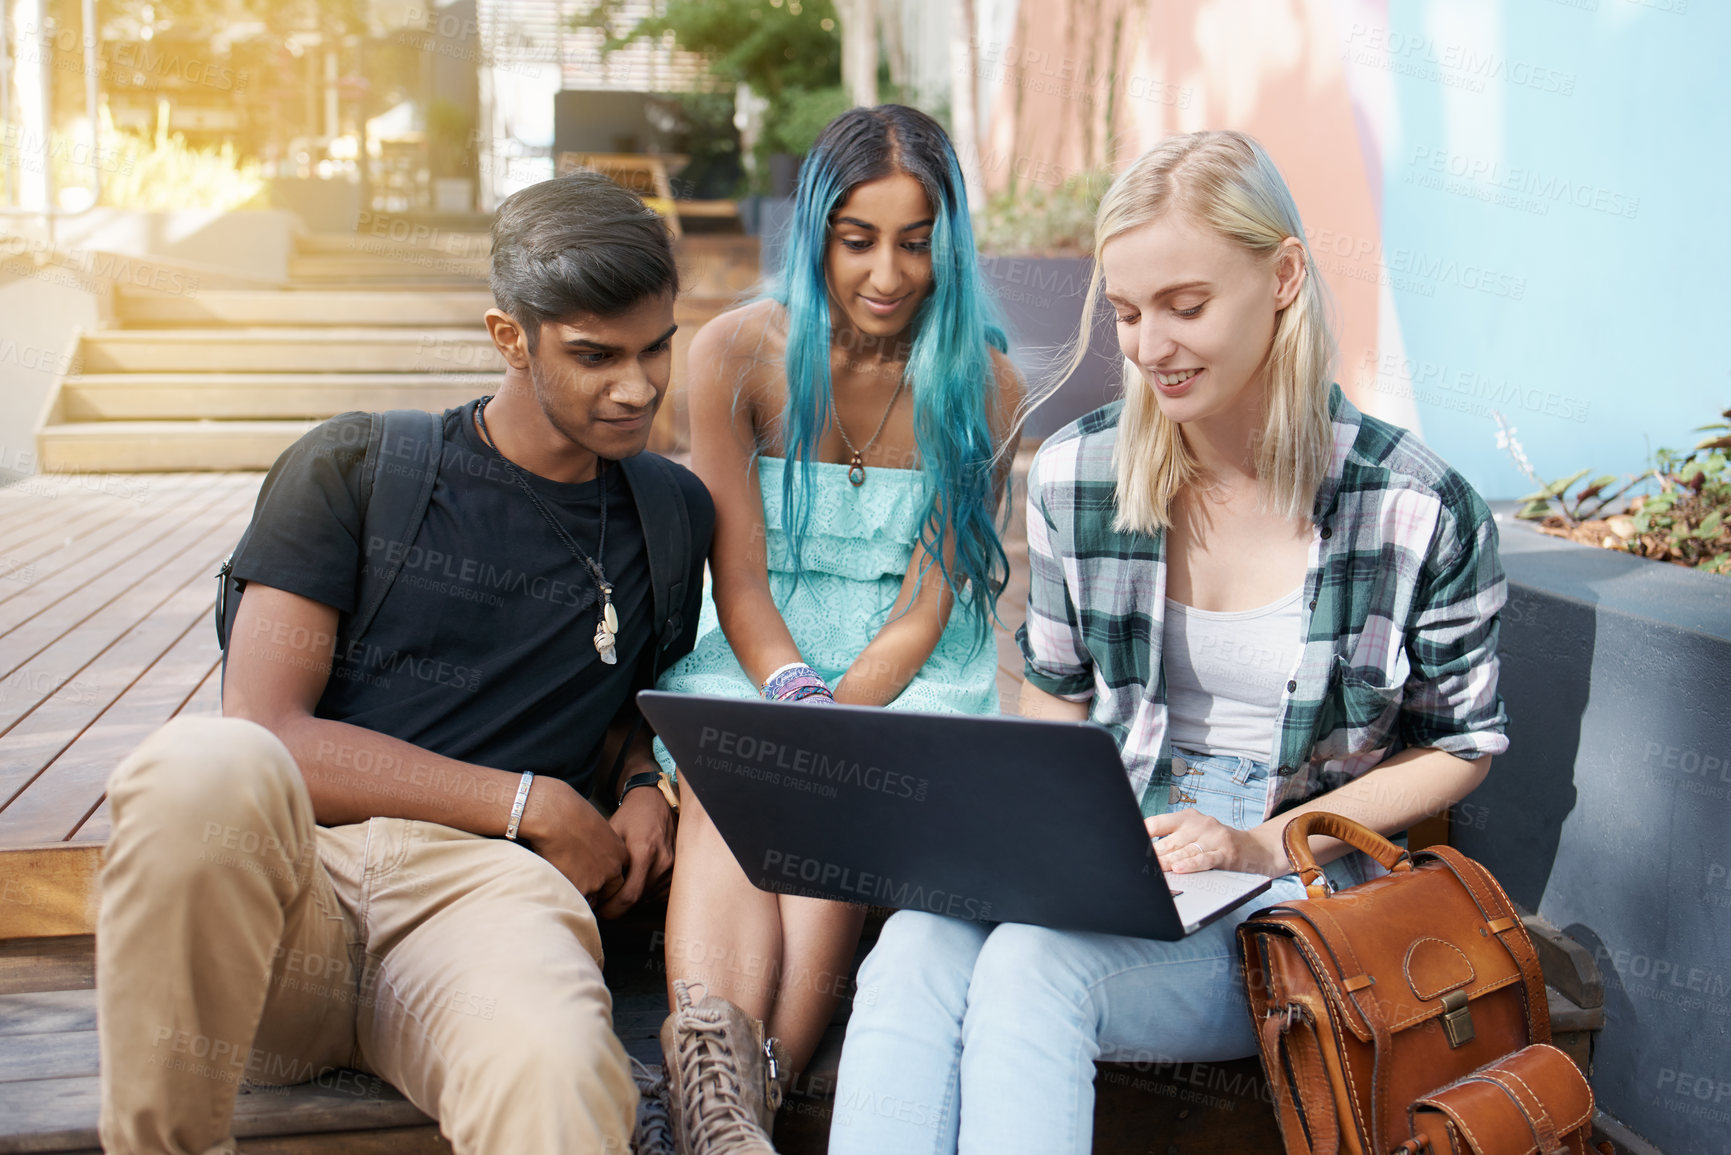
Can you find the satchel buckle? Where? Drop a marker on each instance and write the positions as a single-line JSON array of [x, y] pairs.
[[1457, 1019], [1289, 1016]]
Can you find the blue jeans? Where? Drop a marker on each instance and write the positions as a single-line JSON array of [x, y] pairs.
[[972, 1037]]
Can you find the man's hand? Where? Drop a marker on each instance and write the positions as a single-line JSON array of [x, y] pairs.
[[646, 824], [1186, 841], [561, 826]]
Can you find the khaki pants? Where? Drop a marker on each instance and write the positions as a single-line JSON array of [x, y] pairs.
[[239, 941]]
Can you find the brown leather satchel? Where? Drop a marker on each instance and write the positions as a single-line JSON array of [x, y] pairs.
[[1533, 1102], [1369, 999]]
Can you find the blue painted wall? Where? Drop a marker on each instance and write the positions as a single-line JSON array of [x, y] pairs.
[[1555, 184]]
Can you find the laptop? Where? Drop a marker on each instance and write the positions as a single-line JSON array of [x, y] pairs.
[[986, 818]]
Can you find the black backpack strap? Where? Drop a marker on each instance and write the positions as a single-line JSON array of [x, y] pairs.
[[666, 525], [403, 451], [667, 540], [402, 462], [229, 589]]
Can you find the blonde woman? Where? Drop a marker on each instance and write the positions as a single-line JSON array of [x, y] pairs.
[[1275, 603]]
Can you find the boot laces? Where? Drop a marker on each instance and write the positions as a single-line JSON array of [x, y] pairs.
[[715, 1113], [653, 1133]]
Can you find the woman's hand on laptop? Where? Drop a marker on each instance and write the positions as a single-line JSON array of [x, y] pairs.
[[1186, 841]]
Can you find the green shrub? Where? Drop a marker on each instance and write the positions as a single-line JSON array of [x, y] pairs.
[[164, 172], [795, 126], [1687, 521]]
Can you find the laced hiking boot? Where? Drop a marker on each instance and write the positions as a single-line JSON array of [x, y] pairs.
[[653, 1134], [724, 1077]]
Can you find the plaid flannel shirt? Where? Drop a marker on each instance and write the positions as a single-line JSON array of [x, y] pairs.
[[1400, 610]]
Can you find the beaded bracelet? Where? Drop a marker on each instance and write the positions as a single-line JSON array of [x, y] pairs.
[[796, 682]]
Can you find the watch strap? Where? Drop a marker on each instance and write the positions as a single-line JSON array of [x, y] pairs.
[[641, 778]]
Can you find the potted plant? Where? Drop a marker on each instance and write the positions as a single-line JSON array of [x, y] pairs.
[[1035, 243]]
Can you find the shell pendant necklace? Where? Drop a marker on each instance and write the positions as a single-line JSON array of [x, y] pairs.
[[607, 623], [856, 468]]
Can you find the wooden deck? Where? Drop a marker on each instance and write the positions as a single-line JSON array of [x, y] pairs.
[[106, 595]]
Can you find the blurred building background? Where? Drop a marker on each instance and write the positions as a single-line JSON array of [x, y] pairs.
[[1504, 197]]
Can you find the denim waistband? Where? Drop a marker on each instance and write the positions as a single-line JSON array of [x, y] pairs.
[[1233, 788]]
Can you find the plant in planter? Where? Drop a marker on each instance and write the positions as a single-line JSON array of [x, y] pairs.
[[1042, 221], [1686, 522], [1035, 241]]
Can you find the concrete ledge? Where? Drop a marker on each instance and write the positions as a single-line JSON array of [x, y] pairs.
[[250, 243], [1608, 813], [1672, 595]]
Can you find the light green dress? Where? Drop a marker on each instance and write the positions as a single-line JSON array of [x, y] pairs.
[[857, 547]]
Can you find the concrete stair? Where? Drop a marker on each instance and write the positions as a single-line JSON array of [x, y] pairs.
[[164, 446], [327, 349], [390, 253], [255, 308], [387, 318], [94, 397], [363, 268]]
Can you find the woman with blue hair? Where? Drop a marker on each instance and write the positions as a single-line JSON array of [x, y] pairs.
[[854, 427]]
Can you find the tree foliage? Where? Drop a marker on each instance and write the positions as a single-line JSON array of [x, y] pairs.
[[774, 48], [207, 17], [787, 52]]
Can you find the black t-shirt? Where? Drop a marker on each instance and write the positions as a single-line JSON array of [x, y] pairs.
[[483, 650]]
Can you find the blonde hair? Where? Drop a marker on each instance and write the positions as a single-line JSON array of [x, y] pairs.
[[1226, 182]]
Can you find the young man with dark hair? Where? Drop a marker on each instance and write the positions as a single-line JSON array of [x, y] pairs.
[[383, 855]]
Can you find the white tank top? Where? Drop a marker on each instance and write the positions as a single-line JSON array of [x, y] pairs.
[[1226, 672]]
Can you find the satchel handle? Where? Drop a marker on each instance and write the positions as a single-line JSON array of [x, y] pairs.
[[1322, 824]]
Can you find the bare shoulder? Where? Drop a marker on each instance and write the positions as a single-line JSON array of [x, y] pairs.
[[747, 332], [738, 354], [1007, 377]]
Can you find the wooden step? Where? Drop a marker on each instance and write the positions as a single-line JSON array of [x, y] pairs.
[[289, 350], [164, 446], [49, 1094], [48, 891], [427, 308], [262, 396], [62, 963]]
